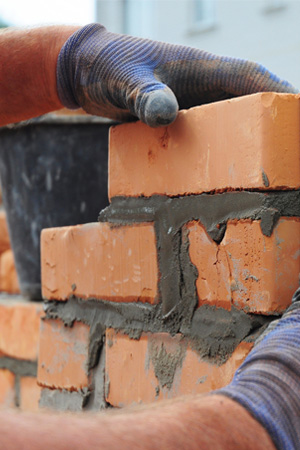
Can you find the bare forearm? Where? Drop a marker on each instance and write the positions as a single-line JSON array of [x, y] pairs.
[[28, 71], [212, 422]]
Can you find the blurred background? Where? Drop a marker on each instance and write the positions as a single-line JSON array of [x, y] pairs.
[[266, 31]]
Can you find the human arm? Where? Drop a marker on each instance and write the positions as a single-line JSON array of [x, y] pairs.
[[28, 71], [204, 422]]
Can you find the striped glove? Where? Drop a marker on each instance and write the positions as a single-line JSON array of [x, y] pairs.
[[268, 382], [124, 77]]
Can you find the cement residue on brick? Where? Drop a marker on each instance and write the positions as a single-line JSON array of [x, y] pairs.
[[97, 397], [215, 332], [63, 400], [166, 361]]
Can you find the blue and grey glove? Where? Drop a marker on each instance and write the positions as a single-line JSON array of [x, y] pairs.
[[124, 77], [268, 382]]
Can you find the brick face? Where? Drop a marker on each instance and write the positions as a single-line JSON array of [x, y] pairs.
[[159, 366], [19, 329], [7, 390], [243, 143], [100, 261], [29, 394], [63, 355], [254, 272], [8, 275], [4, 237]]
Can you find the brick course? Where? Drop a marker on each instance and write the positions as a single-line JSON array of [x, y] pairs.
[[159, 366], [63, 355], [251, 142], [100, 261], [19, 329]]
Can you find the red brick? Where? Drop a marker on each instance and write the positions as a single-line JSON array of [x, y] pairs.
[[246, 142], [7, 388], [8, 275], [29, 394], [4, 237], [131, 368], [100, 261], [19, 328], [63, 355], [254, 272]]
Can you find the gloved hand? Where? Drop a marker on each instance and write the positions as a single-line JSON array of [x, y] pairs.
[[268, 382], [124, 77]]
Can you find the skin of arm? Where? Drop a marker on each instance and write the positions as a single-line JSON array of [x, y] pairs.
[[203, 422], [28, 71]]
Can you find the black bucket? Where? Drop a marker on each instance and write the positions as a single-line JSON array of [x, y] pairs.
[[53, 173]]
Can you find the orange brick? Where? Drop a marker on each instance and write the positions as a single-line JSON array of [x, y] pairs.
[[8, 274], [63, 355], [4, 237], [19, 328], [29, 394], [7, 388], [142, 371], [246, 142], [100, 261], [254, 272]]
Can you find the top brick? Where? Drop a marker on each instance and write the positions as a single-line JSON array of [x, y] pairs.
[[250, 142]]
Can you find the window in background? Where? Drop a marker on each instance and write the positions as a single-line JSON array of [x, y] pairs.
[[274, 5], [138, 17], [201, 15]]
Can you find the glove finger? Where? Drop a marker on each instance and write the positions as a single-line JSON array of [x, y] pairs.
[[156, 108]]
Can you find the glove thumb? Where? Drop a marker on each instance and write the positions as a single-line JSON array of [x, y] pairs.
[[156, 108]]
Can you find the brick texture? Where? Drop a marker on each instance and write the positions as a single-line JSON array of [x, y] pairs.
[[247, 269], [4, 237], [29, 394], [63, 355], [7, 388], [8, 275], [243, 143], [158, 366], [19, 329], [100, 261]]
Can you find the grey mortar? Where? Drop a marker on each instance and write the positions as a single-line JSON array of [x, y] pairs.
[[19, 367], [63, 400], [265, 178], [213, 211], [165, 363], [215, 331], [96, 399], [17, 391], [206, 325]]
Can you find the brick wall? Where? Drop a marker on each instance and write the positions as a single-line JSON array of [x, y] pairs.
[[19, 334], [197, 251]]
